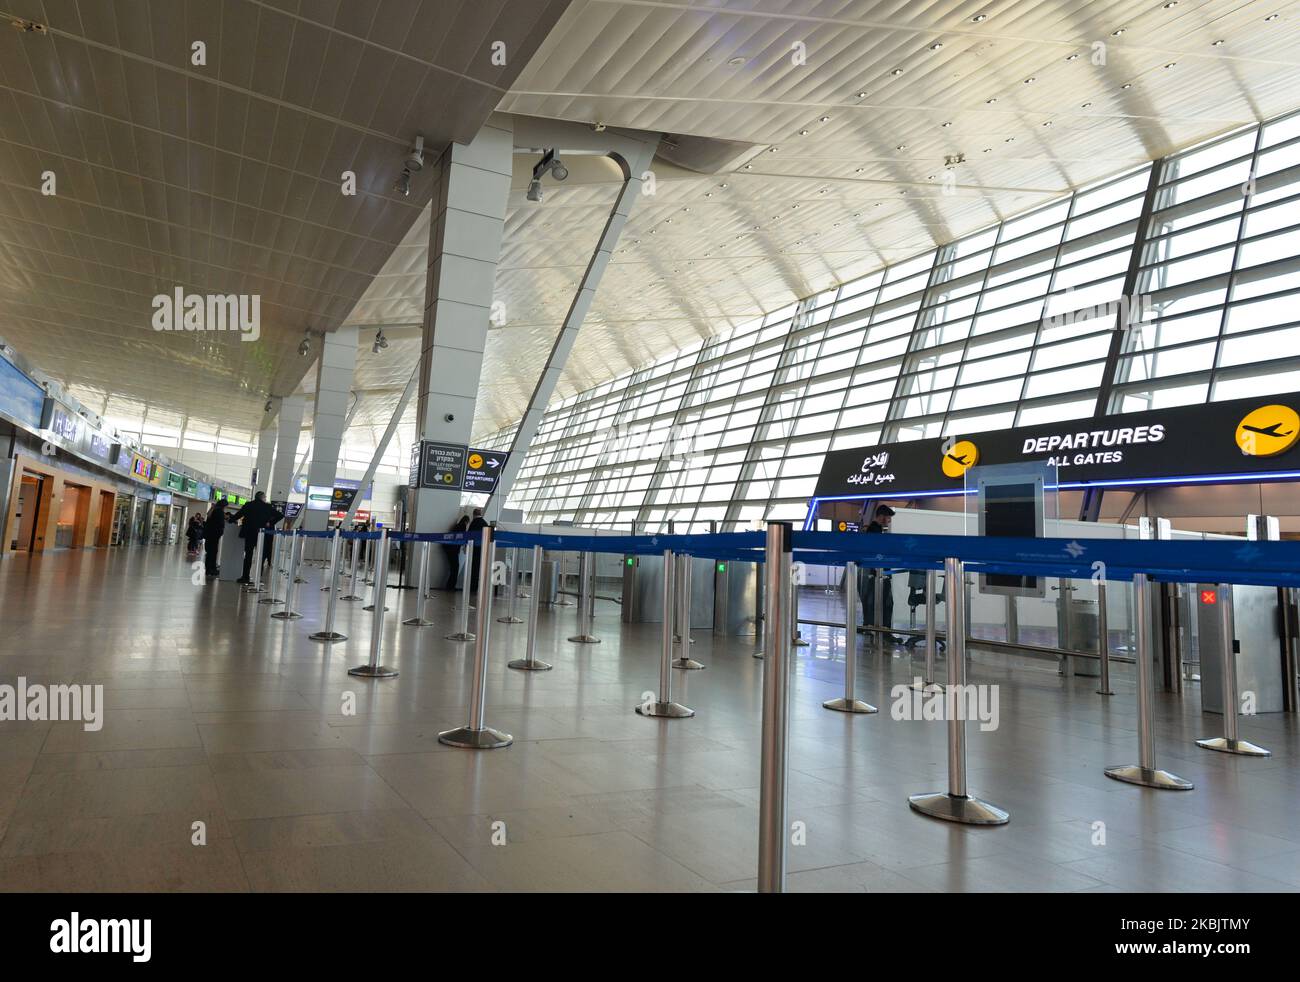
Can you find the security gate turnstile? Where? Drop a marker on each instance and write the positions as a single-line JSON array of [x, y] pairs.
[[1258, 640]]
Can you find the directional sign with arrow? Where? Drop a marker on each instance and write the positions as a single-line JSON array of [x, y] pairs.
[[483, 469]]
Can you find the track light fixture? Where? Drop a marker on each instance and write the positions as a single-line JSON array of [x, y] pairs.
[[380, 344], [304, 346], [550, 162], [412, 165]]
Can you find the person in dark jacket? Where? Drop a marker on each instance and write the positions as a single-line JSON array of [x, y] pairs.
[[452, 552], [255, 516], [867, 579], [194, 534], [213, 526], [476, 524]]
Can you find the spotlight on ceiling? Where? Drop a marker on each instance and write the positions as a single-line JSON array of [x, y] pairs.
[[267, 407], [412, 165], [550, 163], [304, 346], [381, 342], [403, 184]]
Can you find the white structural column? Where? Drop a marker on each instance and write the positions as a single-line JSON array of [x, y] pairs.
[[338, 360], [634, 153], [286, 447], [469, 210], [265, 454]]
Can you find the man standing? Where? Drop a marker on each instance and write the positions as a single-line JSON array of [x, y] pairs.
[[476, 525], [256, 515], [213, 526], [452, 552], [884, 515]]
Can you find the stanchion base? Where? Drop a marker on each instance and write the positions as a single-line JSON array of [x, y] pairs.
[[327, 636], [253, 589], [270, 600], [842, 705], [372, 607], [529, 665], [954, 808], [926, 686], [668, 710], [377, 672], [1243, 747], [800, 643], [562, 603], [1148, 777], [677, 639], [417, 622], [687, 664], [510, 620], [584, 639], [758, 653], [462, 636], [286, 615], [484, 739], [351, 597], [1105, 692]]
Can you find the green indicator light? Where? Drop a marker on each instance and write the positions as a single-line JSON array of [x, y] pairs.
[[630, 560], [722, 567]]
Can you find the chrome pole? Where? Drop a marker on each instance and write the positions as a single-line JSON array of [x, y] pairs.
[[956, 804], [1144, 772], [256, 585], [878, 619], [376, 561], [374, 669], [776, 710], [848, 703], [792, 605], [529, 663], [685, 662], [352, 578], [664, 705], [586, 600], [291, 584], [1229, 742], [1103, 640], [329, 634], [510, 617], [275, 570], [463, 634], [421, 587], [477, 736]]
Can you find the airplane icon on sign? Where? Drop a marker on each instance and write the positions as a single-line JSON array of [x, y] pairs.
[[1270, 430]]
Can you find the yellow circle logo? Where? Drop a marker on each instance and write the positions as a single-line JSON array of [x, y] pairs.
[[1268, 430], [844, 526], [447, 479], [475, 461], [960, 458]]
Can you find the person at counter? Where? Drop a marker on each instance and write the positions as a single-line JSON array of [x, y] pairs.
[[213, 527], [255, 516], [880, 523], [453, 552]]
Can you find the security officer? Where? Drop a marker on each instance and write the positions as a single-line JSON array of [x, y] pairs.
[[884, 515]]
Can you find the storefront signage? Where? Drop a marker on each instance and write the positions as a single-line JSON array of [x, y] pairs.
[[1242, 440]]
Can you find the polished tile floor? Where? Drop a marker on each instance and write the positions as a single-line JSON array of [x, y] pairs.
[[217, 713]]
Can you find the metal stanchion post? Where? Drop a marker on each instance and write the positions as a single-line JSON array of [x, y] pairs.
[[275, 570], [847, 703], [464, 634], [256, 585], [586, 600], [685, 662], [477, 736], [1103, 640], [376, 563], [878, 618], [1229, 742], [328, 633], [292, 580], [1145, 772], [956, 804], [772, 828], [664, 705], [559, 583], [931, 640], [373, 669], [796, 638], [352, 577], [421, 586], [530, 662], [510, 617]]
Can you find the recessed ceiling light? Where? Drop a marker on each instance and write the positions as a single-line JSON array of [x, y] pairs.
[[979, 17], [825, 119], [1031, 78], [1171, 3], [1171, 64], [1073, 57], [946, 125], [708, 194], [803, 132], [936, 46], [723, 185], [1271, 17], [736, 61], [749, 167], [901, 146], [989, 102], [1011, 139], [773, 149], [1118, 31], [1047, 122], [988, 149], [896, 71], [1086, 105], [1127, 85], [858, 170], [1217, 43]]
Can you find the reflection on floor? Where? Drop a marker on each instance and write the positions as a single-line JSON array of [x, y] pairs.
[[218, 714]]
